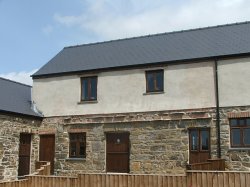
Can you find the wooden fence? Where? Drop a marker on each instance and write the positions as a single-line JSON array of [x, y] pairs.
[[115, 180], [191, 179], [218, 179]]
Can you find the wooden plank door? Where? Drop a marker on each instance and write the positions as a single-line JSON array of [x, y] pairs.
[[199, 145], [47, 150], [24, 154], [117, 148]]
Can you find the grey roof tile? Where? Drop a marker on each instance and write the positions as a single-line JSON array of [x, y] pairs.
[[174, 46], [15, 98]]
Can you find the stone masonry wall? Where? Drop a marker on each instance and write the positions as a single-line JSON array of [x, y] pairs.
[[10, 129], [236, 158], [158, 140]]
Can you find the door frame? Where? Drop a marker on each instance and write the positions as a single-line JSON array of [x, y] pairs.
[[106, 151], [30, 153], [52, 168], [199, 129]]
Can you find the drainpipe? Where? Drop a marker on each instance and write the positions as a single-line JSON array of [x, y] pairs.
[[217, 109]]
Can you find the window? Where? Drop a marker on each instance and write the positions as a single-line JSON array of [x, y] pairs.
[[88, 88], [154, 81], [199, 139], [240, 132], [77, 145]]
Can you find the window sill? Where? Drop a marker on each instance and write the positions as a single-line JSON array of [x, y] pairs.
[[153, 93], [87, 102], [75, 159], [239, 149]]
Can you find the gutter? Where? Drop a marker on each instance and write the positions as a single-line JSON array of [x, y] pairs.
[[21, 114], [217, 108], [37, 75]]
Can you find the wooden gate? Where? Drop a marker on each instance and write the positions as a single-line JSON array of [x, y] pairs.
[[24, 154], [117, 158], [47, 150]]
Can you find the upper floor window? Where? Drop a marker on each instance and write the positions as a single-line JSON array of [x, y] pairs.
[[154, 81], [77, 145], [240, 132], [89, 88]]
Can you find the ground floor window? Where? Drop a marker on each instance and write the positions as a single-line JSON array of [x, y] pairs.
[[240, 132], [77, 145]]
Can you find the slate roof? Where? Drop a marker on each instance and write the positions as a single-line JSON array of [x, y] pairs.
[[15, 98], [223, 40]]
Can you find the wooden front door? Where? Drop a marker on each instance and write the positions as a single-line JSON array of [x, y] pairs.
[[47, 150], [199, 145], [24, 154], [117, 159]]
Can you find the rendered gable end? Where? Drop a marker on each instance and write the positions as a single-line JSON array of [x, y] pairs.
[[234, 79], [186, 86]]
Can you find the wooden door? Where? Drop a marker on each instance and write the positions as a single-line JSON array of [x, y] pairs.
[[199, 145], [47, 150], [117, 159], [24, 154]]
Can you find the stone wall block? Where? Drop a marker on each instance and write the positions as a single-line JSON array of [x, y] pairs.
[[158, 140], [236, 159], [11, 127]]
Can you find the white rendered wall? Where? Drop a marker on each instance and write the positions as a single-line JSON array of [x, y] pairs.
[[186, 86], [234, 82]]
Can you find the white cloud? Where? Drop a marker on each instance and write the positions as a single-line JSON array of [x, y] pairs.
[[110, 19], [23, 77], [228, 3], [47, 29], [68, 20]]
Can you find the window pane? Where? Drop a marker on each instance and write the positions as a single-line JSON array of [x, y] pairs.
[[204, 140], [159, 81], [80, 137], [73, 137], [246, 137], [236, 136], [73, 150], [233, 122], [150, 82], [194, 140], [248, 121], [242, 122], [77, 145], [82, 149], [93, 86], [85, 89]]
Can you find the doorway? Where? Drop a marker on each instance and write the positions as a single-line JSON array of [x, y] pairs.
[[24, 154], [117, 149], [47, 150], [199, 145]]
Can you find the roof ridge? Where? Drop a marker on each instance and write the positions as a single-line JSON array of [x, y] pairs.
[[15, 82], [159, 34]]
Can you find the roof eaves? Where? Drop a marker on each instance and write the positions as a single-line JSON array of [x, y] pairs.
[[21, 114], [140, 65], [15, 82]]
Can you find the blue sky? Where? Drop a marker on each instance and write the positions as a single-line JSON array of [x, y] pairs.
[[32, 31]]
